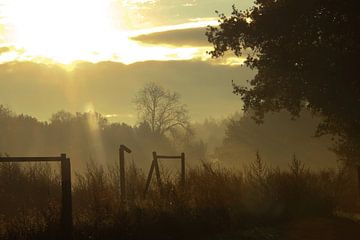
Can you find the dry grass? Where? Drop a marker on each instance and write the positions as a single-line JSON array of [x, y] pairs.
[[215, 200]]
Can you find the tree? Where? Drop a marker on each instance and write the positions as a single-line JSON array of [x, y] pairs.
[[306, 54], [161, 109], [277, 139]]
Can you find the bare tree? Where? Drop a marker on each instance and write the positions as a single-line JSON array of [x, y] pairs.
[[161, 109]]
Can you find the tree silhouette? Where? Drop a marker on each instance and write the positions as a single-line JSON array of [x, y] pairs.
[[306, 55], [161, 109]]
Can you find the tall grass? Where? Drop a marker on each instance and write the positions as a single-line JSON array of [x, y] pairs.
[[214, 200]]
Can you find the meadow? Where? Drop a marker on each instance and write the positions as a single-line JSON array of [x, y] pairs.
[[215, 203]]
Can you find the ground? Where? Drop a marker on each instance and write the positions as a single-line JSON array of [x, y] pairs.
[[322, 228], [319, 228]]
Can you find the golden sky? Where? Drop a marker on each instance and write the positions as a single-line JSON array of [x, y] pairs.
[[65, 31], [71, 54]]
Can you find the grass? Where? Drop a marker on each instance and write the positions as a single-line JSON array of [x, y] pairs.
[[216, 203]]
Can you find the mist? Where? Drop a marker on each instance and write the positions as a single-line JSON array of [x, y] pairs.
[[179, 120]]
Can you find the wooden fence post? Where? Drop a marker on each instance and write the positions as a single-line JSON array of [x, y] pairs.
[[66, 220], [155, 166], [148, 181], [183, 169], [358, 173], [157, 172], [66, 199], [122, 151]]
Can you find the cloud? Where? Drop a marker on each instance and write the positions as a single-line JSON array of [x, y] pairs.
[[140, 1], [182, 37], [188, 4], [111, 115], [40, 89], [170, 12], [5, 50]]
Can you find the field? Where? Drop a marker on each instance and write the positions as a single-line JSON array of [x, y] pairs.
[[259, 202]]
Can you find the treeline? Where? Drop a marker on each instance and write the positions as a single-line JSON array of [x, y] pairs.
[[85, 137], [277, 139], [91, 137]]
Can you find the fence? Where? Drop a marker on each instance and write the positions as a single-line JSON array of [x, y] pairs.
[[66, 198], [155, 166]]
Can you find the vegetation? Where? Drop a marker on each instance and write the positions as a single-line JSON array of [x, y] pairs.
[[90, 136], [257, 201], [277, 139], [85, 137], [253, 204], [306, 55], [161, 109]]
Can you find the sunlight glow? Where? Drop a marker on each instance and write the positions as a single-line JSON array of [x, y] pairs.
[[68, 31], [98, 152], [194, 23], [62, 30]]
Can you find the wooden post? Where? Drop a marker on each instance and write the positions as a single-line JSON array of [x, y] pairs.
[[122, 151], [155, 166], [66, 199], [358, 172], [183, 169], [148, 181], [157, 171]]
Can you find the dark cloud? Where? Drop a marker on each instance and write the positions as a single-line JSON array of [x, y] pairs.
[[183, 37], [40, 89]]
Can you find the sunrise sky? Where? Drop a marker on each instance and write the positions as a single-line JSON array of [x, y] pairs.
[[49, 47]]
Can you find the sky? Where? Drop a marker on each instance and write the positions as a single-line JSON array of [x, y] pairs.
[[81, 54]]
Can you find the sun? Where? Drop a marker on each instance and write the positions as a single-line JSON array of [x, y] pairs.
[[62, 30], [69, 31]]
